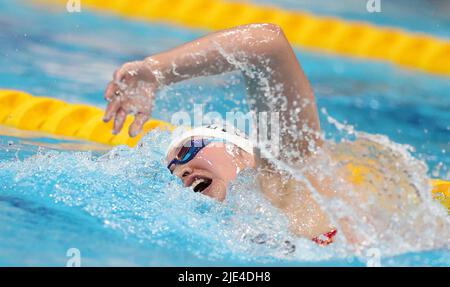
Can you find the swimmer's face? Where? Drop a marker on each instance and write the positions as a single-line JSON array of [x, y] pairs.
[[212, 169]]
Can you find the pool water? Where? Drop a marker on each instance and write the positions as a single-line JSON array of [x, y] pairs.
[[420, 16], [123, 208]]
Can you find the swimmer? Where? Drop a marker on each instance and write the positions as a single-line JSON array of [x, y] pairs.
[[276, 82]]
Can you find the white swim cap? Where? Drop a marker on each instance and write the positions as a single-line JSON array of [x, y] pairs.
[[226, 132]]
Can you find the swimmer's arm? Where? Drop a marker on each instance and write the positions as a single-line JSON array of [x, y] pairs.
[[275, 79], [271, 69], [239, 48]]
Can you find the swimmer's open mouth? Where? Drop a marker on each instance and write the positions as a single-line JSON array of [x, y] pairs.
[[200, 184]]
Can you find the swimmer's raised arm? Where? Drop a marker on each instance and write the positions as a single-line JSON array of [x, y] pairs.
[[275, 81]]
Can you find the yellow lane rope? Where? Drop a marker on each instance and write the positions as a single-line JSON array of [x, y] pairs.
[[329, 34], [24, 111]]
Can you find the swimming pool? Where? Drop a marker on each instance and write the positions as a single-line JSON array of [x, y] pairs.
[[124, 208]]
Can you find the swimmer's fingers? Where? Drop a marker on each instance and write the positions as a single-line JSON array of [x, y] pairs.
[[121, 116], [111, 95], [111, 110], [110, 91], [136, 127]]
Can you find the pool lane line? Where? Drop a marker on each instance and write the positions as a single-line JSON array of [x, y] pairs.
[[305, 30], [52, 116]]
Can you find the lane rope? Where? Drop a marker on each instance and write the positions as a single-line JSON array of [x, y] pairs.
[[325, 34], [26, 112]]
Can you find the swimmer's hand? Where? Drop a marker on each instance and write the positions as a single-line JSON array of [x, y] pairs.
[[131, 91]]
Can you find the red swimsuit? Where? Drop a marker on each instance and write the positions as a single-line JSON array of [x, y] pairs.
[[326, 238]]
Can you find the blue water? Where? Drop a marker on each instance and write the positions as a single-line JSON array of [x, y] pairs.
[[418, 16], [124, 208]]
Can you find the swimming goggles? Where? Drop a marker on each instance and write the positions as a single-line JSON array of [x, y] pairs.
[[189, 150]]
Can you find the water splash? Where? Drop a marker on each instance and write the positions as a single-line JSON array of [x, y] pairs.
[[381, 200], [131, 192]]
